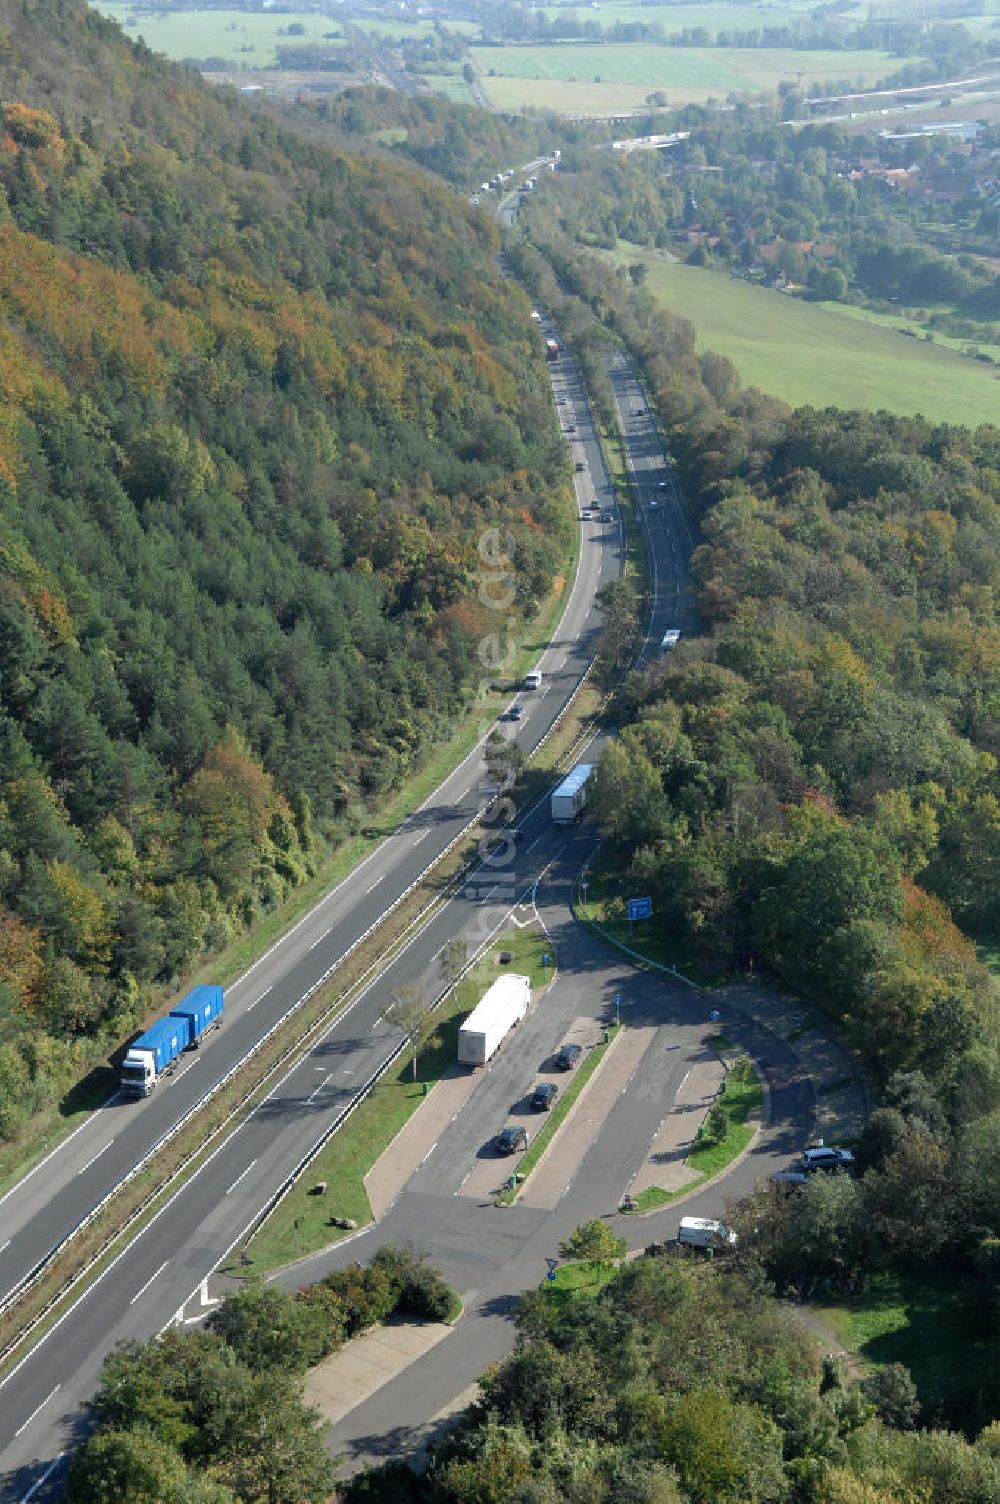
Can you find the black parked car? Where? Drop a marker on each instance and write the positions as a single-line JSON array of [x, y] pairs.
[[568, 1056], [510, 1140], [544, 1095]]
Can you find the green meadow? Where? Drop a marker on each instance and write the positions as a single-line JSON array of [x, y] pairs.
[[808, 353], [244, 38], [559, 77]]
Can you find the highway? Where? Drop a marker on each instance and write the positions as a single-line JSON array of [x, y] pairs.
[[160, 1271], [45, 1207]]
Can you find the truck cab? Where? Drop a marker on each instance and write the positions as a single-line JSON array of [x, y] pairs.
[[138, 1073]]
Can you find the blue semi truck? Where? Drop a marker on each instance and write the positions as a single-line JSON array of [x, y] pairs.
[[155, 1052]]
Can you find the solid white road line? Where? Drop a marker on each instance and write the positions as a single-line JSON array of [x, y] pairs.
[[235, 1183], [95, 1157], [259, 999], [531, 848], [34, 1412], [149, 1281]]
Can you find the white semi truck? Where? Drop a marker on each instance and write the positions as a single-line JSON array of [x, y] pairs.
[[500, 1009], [569, 798]]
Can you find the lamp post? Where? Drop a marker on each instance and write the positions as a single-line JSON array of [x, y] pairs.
[[618, 1009]]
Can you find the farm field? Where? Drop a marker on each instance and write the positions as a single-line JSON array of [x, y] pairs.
[[244, 38], [554, 77], [720, 16], [805, 353]]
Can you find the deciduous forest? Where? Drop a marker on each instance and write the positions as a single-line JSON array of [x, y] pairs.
[[261, 397]]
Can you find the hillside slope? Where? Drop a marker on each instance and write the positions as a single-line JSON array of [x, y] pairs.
[[260, 399]]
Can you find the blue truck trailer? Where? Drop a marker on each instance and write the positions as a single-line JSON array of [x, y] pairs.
[[202, 1010], [155, 1052]]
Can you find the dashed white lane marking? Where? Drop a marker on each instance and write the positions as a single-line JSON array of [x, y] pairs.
[[5, 1245], [149, 1281], [94, 1157], [319, 1088], [430, 1151], [235, 1183], [262, 996], [374, 884], [34, 1412], [321, 939], [420, 837]]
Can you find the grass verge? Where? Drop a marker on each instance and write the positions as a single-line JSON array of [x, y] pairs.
[[929, 1323], [300, 1223], [606, 888], [708, 1158], [586, 1276], [564, 1102]]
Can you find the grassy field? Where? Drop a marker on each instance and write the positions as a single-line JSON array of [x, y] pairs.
[[910, 328], [805, 353], [674, 18], [300, 1224], [245, 38], [587, 1276], [562, 77], [925, 1323]]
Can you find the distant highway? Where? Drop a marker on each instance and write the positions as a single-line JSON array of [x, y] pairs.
[[159, 1272]]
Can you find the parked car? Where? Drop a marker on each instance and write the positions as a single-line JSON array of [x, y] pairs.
[[826, 1158], [567, 1056], [511, 1140], [544, 1095], [515, 712], [789, 1180]]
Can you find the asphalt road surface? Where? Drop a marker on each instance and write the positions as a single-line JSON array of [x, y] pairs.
[[49, 1203], [492, 1254], [160, 1270]]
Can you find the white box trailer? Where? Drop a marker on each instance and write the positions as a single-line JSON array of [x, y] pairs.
[[491, 1020], [703, 1232], [570, 796]]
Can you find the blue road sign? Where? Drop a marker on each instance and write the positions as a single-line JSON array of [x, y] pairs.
[[546, 960], [551, 1274], [640, 908]]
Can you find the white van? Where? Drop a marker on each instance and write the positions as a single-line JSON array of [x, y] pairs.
[[533, 680], [702, 1232], [670, 640]]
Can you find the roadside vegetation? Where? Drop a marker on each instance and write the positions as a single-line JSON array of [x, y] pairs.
[[195, 397], [303, 1222], [216, 1416], [728, 1127], [682, 1381]]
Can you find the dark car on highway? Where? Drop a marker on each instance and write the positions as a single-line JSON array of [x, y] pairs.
[[510, 1140], [567, 1056], [544, 1095]]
